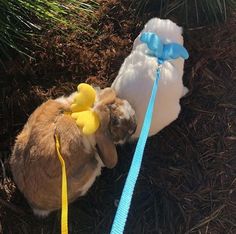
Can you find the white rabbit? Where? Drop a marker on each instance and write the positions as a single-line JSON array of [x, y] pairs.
[[34, 163], [138, 72]]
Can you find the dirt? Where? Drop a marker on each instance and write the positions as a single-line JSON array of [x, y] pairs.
[[187, 181]]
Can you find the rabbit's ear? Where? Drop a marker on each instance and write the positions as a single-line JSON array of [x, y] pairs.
[[106, 150], [105, 145], [106, 96]]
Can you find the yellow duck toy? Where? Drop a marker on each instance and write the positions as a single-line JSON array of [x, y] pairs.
[[81, 109]]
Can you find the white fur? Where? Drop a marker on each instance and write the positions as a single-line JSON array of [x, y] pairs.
[[88, 143], [120, 142], [136, 76], [66, 100], [127, 110], [41, 213], [97, 172]]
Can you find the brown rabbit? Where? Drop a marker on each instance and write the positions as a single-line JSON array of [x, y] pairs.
[[34, 162]]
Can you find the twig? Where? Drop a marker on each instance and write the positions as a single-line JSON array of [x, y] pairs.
[[207, 219]]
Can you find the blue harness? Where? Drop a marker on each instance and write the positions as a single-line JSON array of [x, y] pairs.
[[163, 52]]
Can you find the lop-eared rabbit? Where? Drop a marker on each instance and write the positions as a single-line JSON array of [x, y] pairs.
[[34, 162]]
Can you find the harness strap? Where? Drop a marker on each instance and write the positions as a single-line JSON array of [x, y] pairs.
[[64, 199]]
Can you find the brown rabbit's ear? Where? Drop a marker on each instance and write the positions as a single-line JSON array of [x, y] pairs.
[[105, 145], [107, 150], [106, 96]]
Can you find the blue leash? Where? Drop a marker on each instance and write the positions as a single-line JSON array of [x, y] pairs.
[[125, 201], [162, 52]]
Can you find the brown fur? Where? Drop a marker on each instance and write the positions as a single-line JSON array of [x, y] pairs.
[[34, 162], [36, 168]]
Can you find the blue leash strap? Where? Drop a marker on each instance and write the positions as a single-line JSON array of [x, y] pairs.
[[162, 52], [126, 197]]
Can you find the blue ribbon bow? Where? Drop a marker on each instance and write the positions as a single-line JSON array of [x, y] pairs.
[[162, 51]]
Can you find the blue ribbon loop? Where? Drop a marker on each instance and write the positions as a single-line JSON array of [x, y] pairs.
[[162, 52]]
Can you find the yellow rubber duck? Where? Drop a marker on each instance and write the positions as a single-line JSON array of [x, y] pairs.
[[81, 109]]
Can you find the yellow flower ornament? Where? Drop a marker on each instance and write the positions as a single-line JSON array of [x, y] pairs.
[[82, 111]]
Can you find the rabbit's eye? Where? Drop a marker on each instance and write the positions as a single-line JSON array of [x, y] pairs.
[[114, 121]]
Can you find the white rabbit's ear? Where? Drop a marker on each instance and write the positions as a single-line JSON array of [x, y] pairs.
[[106, 150]]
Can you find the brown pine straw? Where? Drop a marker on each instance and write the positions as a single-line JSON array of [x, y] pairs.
[[188, 176]]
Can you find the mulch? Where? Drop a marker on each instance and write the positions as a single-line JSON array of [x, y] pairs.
[[187, 181]]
